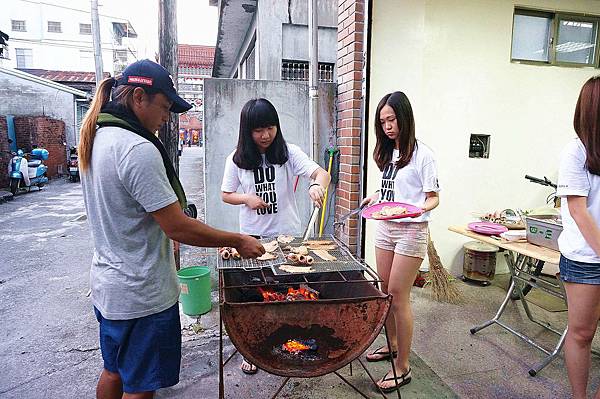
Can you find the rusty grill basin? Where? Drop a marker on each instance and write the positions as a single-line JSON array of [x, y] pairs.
[[344, 321]]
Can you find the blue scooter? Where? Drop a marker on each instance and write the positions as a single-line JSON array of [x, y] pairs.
[[25, 173]]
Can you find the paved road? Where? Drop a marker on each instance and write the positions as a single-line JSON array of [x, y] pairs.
[[48, 333]]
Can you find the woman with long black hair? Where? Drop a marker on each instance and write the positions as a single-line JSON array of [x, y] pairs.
[[260, 175], [579, 242], [409, 175]]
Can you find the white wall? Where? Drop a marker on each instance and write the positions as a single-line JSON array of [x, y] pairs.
[[452, 59], [58, 51]]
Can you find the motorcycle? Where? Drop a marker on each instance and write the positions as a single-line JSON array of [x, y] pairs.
[[73, 165], [24, 173]]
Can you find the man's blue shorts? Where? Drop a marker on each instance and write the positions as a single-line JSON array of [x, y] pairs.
[[145, 352]]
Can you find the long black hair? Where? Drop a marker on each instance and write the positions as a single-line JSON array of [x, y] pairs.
[[259, 113], [384, 148]]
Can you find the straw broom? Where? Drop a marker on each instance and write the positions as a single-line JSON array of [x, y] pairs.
[[442, 287]]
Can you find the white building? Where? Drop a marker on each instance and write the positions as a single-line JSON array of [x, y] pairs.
[[57, 37]]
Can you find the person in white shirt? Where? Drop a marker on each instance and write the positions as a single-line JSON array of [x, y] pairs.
[[579, 242], [260, 173], [409, 175]]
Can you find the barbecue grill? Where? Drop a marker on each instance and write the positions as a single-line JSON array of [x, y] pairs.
[[343, 322]]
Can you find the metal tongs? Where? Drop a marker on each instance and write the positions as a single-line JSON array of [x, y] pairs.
[[345, 217], [311, 223]]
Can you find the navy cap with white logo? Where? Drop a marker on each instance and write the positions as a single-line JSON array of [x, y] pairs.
[[153, 78]]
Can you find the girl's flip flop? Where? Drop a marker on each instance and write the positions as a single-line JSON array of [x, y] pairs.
[[380, 354]]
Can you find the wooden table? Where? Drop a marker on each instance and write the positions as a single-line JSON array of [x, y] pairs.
[[523, 248], [520, 256]]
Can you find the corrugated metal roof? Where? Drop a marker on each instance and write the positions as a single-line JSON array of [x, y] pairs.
[[43, 81], [64, 76]]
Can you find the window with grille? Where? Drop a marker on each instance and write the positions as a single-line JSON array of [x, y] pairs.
[[18, 25], [54, 27], [85, 29], [24, 57], [120, 56], [298, 70], [555, 38]]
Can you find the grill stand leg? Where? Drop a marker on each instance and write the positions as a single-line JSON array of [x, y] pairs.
[[361, 393], [370, 376], [387, 339], [350, 384], [221, 364], [285, 381]]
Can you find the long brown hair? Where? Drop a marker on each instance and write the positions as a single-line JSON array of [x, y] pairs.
[[122, 94], [587, 123], [384, 148]]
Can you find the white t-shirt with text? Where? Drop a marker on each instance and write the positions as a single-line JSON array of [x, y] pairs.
[[575, 179], [275, 185], [410, 183]]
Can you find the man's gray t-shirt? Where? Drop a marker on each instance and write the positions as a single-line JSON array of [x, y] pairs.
[[133, 269]]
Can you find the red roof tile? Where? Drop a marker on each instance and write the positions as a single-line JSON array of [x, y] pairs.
[[196, 55]]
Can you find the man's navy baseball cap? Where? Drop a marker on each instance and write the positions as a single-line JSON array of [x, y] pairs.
[[153, 78]]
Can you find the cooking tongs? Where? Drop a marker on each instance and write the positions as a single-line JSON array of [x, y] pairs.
[[311, 223], [345, 217]]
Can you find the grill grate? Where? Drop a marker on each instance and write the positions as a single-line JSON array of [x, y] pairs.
[[252, 264], [344, 262]]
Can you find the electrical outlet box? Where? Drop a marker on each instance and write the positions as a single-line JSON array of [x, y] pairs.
[[479, 146]]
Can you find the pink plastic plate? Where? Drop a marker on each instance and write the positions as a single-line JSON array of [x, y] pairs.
[[487, 228], [411, 211]]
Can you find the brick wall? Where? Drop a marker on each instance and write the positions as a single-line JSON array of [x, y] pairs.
[[4, 156], [45, 133], [349, 67]]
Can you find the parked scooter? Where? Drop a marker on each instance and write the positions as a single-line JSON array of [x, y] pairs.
[[26, 173], [73, 165]]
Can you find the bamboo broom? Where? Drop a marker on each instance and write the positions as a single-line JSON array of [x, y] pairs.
[[442, 287]]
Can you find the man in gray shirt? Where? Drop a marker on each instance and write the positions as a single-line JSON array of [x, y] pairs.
[[134, 203]]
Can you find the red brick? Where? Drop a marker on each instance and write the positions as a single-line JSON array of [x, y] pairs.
[[354, 141], [350, 150], [349, 132]]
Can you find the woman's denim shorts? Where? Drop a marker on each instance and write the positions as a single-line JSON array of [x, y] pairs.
[[572, 271]]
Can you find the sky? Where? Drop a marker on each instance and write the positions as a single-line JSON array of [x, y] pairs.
[[196, 20]]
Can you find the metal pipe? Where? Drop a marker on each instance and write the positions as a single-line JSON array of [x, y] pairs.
[[364, 113], [313, 75], [97, 42]]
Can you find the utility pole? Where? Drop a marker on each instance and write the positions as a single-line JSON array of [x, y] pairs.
[[167, 57], [313, 76], [97, 42]]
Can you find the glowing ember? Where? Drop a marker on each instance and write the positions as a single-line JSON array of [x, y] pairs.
[[294, 346], [303, 293]]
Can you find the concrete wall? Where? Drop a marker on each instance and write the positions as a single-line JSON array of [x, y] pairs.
[[224, 101], [273, 15], [452, 59], [21, 97]]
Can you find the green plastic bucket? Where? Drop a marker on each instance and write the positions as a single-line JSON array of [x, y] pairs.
[[195, 290]]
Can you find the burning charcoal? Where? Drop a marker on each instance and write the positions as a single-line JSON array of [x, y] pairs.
[[312, 343], [297, 346]]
